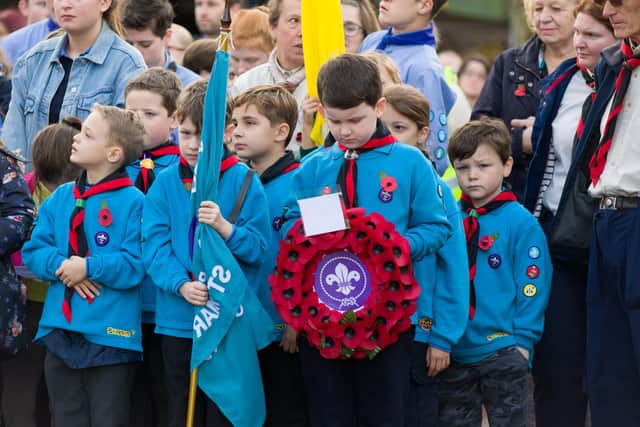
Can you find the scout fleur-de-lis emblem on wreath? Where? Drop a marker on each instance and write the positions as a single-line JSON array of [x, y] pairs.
[[342, 278]]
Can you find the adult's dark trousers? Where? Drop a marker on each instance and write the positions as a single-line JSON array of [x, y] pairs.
[[176, 359], [613, 319], [559, 357], [358, 392], [89, 397]]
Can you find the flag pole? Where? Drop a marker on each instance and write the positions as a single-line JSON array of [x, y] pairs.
[[223, 45]]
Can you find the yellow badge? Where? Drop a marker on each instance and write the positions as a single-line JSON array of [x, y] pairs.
[[530, 290], [425, 323], [146, 164]]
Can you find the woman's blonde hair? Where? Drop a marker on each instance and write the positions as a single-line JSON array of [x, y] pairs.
[[112, 16]]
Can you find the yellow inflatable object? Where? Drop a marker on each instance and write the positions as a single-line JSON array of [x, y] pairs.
[[322, 39]]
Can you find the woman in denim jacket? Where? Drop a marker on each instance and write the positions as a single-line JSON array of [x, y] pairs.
[[65, 75]]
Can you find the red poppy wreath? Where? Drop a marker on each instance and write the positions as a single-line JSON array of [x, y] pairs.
[[351, 292]]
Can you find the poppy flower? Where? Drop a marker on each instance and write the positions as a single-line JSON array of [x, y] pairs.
[[104, 217], [331, 342], [389, 184], [520, 90], [486, 242], [354, 334]]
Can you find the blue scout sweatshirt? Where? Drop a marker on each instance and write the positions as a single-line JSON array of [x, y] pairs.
[[415, 206], [443, 305], [148, 288], [513, 283], [165, 231], [113, 319]]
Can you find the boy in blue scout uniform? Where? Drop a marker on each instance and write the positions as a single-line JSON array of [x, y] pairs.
[[410, 42], [152, 95], [509, 283], [362, 156], [264, 119], [167, 248], [87, 244]]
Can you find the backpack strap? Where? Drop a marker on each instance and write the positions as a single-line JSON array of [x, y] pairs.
[[241, 196]]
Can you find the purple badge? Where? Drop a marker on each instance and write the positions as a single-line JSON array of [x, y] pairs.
[[385, 196], [342, 282], [102, 238], [495, 260]]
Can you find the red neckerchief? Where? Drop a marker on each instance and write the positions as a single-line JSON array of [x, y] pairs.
[[78, 245], [186, 172], [147, 176], [472, 233], [599, 159], [586, 107], [348, 174]]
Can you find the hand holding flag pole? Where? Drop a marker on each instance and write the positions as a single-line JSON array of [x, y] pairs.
[[223, 45]]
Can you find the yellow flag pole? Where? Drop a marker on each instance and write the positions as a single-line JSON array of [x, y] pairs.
[[322, 39], [223, 44]]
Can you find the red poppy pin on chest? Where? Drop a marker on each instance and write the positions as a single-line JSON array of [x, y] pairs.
[[521, 90], [104, 216], [486, 242], [388, 185]]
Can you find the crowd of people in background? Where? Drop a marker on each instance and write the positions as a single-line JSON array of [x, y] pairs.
[[513, 181]]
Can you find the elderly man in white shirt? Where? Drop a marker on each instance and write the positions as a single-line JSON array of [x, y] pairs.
[[612, 130]]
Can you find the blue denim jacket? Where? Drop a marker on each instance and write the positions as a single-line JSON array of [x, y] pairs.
[[99, 76]]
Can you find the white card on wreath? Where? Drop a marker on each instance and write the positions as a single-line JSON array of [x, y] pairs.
[[322, 214]]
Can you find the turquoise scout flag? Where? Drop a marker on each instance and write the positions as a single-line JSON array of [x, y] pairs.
[[233, 326]]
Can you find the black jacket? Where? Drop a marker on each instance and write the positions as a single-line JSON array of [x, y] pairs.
[[512, 92], [16, 216]]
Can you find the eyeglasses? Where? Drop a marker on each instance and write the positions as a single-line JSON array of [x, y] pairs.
[[614, 3], [352, 29]]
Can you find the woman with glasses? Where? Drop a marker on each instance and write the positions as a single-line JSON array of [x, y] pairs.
[[359, 19], [559, 362], [512, 89]]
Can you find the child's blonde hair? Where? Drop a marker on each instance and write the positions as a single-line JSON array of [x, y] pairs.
[[384, 63], [125, 130]]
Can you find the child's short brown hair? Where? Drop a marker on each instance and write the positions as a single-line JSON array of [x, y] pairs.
[[159, 81], [199, 55], [250, 30], [51, 150], [191, 103], [156, 15], [465, 141], [272, 101], [349, 80], [125, 130]]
